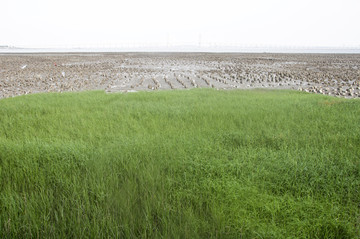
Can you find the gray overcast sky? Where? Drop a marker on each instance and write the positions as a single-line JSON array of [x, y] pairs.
[[48, 23]]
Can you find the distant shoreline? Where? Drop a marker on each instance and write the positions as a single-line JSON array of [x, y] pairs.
[[186, 49]]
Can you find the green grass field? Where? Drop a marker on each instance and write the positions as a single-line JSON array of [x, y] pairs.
[[180, 164]]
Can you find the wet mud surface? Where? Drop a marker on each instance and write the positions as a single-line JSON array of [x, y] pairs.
[[331, 74]]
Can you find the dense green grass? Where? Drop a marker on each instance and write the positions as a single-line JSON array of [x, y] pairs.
[[180, 164]]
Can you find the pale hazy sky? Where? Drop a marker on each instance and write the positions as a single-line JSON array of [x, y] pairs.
[[49, 23]]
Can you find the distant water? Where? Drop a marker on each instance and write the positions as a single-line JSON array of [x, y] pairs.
[[229, 49]]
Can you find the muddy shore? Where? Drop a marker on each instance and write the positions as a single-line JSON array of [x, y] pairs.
[[331, 74]]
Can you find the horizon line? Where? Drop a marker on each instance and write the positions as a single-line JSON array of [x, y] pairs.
[[173, 45], [230, 48]]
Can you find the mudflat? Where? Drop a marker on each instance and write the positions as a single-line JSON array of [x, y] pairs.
[[330, 74]]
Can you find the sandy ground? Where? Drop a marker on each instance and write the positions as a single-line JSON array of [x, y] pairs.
[[330, 74]]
